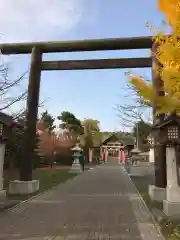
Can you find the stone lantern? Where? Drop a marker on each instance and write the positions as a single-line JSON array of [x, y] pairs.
[[77, 153], [135, 155], [133, 171], [170, 136]]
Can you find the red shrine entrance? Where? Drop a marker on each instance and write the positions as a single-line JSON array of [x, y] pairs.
[[114, 149]]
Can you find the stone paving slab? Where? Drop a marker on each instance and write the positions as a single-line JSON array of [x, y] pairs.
[[98, 204]]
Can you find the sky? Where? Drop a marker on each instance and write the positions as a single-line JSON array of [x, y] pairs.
[[86, 93]]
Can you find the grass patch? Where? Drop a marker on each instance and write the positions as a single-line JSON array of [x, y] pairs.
[[142, 183], [170, 229], [51, 177], [48, 177]]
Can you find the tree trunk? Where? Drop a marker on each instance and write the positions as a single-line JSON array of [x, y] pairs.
[[160, 166], [160, 150]]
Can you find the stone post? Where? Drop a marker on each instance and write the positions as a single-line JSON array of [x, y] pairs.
[[151, 155], [171, 205]]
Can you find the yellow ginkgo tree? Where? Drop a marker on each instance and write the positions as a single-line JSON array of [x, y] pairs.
[[170, 8], [168, 55]]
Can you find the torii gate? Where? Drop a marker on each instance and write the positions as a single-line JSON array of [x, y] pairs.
[[38, 48]]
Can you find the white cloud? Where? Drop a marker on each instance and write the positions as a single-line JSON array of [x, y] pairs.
[[35, 20]]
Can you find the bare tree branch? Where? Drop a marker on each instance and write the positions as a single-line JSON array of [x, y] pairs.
[[134, 111], [10, 84], [8, 95], [22, 112], [14, 100], [11, 92]]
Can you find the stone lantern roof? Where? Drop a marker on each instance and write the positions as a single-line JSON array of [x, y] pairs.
[[77, 148], [170, 119], [136, 150]]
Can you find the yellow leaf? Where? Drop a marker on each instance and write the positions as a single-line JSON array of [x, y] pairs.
[[171, 9], [143, 89], [168, 56]]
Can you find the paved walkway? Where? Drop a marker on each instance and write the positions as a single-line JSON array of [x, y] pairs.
[[99, 204]]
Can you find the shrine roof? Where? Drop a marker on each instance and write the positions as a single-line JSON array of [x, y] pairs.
[[7, 119], [127, 140]]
